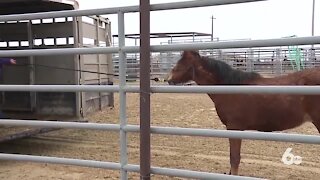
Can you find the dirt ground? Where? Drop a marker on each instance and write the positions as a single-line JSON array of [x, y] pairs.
[[259, 158]]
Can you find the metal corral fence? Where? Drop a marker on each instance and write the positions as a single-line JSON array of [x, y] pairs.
[[145, 90], [267, 61]]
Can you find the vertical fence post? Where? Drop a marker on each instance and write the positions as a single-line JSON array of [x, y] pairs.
[[122, 97], [279, 61], [145, 154], [250, 60], [33, 98], [312, 58]]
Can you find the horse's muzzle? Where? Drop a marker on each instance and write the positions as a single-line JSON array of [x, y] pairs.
[[171, 82]]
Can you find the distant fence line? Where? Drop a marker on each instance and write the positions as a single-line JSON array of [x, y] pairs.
[[270, 62]]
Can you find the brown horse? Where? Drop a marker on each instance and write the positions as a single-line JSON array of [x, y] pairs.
[[261, 112]]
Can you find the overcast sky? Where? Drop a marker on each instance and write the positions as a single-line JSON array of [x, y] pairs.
[[257, 20]]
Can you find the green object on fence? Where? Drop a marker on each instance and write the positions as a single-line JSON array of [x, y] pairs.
[[295, 56]]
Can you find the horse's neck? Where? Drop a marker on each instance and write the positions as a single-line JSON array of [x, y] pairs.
[[203, 77]]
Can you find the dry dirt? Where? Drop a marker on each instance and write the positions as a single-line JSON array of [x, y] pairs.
[[259, 158]]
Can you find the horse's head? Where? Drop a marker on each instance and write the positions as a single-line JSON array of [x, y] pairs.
[[184, 69]]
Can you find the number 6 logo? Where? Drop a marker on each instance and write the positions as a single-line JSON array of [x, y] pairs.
[[288, 158]]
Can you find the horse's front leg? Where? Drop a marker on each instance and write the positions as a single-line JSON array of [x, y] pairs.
[[235, 148]]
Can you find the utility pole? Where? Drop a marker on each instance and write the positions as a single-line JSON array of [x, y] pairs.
[[212, 18], [312, 26]]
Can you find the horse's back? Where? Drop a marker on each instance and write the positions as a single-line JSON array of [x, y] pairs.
[[309, 76]]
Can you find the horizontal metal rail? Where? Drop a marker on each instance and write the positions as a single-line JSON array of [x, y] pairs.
[[165, 48], [62, 88], [196, 174], [126, 9], [56, 160], [302, 90], [253, 135], [236, 44], [117, 166], [64, 125], [195, 4], [272, 89], [58, 51]]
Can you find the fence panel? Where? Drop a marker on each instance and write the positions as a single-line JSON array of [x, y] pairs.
[[144, 89]]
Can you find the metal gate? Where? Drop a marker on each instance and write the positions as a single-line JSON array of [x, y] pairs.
[[145, 89]]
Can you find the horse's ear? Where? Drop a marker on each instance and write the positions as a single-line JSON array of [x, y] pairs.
[[191, 54], [196, 53]]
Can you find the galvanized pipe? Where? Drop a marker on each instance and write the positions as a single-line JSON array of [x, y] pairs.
[[64, 125], [247, 89], [253, 135], [56, 160], [116, 166], [195, 4], [236, 44], [187, 173], [58, 51], [301, 90], [145, 154], [197, 174], [115, 10], [122, 97], [64, 88], [68, 13], [165, 48]]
